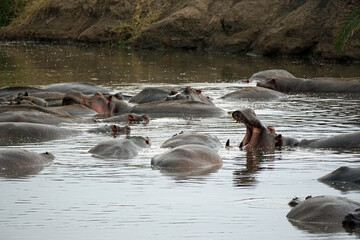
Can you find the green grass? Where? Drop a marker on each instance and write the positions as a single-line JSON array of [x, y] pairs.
[[347, 28], [10, 9]]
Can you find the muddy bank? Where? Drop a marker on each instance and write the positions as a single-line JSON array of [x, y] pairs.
[[279, 27]]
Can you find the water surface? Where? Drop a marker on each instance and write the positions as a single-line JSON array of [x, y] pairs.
[[82, 197]]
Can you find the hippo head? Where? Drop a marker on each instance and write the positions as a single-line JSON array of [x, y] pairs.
[[257, 136], [133, 118], [352, 220], [73, 97], [116, 130]]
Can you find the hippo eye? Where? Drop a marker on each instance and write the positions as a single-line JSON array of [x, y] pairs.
[[357, 210]]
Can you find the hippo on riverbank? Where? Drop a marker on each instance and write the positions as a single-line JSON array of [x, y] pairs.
[[18, 162], [257, 135], [192, 138], [324, 213], [186, 158], [120, 148], [282, 81]]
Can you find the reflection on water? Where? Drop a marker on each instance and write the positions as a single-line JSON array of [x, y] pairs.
[[83, 197]]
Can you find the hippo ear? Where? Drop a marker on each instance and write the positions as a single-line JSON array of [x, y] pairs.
[[227, 144], [272, 82], [198, 92], [131, 118], [26, 94]]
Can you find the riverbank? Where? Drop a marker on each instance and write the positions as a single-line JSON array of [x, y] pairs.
[[279, 27]]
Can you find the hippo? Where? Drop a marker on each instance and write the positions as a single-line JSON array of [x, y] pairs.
[[15, 90], [114, 130], [108, 106], [178, 108], [339, 141], [23, 132], [35, 117], [186, 158], [127, 118], [83, 87], [18, 162], [120, 148], [253, 94], [281, 141], [342, 174], [257, 136], [323, 213], [192, 138], [151, 94], [279, 80], [35, 100]]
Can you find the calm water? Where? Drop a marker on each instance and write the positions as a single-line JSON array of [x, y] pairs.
[[82, 197]]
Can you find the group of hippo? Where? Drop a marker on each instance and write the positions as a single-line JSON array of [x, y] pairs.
[[30, 114]]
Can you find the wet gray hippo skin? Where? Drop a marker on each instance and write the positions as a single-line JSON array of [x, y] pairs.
[[151, 94], [14, 91], [35, 117], [281, 141], [342, 174], [18, 161], [111, 129], [178, 108], [83, 87], [257, 136], [327, 213], [22, 132], [166, 93], [108, 106], [192, 138], [340, 141], [186, 158], [253, 94], [120, 148], [278, 80], [127, 118]]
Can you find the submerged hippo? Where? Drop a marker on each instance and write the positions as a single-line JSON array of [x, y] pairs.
[[340, 141], [342, 174], [83, 87], [108, 106], [253, 94], [192, 138], [152, 94], [17, 161], [36, 117], [127, 118], [257, 136], [186, 158], [282, 81], [325, 213], [23, 132], [178, 108], [120, 148], [114, 130]]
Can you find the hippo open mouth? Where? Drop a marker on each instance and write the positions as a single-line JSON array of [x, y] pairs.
[[256, 134]]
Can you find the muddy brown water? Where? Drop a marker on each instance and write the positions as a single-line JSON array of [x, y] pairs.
[[83, 197]]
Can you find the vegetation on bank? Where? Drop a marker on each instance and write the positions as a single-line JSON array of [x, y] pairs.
[[11, 9], [146, 12], [347, 28], [17, 12]]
